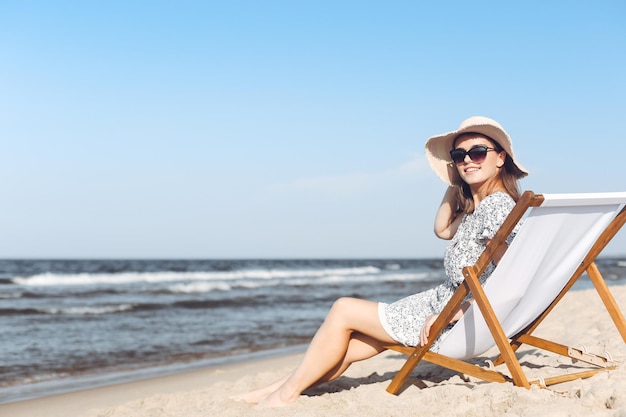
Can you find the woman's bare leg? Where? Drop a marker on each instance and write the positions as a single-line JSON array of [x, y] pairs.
[[360, 347], [329, 353]]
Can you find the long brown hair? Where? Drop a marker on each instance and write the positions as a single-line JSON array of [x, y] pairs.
[[505, 179]]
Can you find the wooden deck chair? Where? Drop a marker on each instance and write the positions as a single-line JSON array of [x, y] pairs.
[[559, 239]]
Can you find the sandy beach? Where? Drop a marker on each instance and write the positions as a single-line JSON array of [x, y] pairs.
[[580, 319]]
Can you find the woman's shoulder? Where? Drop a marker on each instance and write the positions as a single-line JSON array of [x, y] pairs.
[[500, 196], [499, 199]]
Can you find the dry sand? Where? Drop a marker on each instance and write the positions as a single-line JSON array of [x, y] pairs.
[[433, 391]]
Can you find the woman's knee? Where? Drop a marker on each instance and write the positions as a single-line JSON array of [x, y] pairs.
[[343, 308], [354, 314], [343, 304]]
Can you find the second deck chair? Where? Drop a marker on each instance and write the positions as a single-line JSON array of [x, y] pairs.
[[560, 238]]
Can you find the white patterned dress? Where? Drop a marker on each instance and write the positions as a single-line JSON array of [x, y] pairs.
[[404, 319]]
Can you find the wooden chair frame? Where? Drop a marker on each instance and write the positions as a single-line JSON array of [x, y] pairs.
[[506, 347]]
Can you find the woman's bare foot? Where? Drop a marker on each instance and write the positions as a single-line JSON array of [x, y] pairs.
[[278, 399], [253, 397], [258, 395]]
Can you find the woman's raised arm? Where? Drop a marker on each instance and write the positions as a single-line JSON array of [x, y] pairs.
[[448, 219]]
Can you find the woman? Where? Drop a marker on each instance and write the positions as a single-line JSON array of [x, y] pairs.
[[478, 164]]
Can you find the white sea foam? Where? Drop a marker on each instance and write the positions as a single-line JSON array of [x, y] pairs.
[[622, 263], [50, 279], [407, 277], [199, 287], [85, 311], [204, 287], [7, 296], [372, 278]]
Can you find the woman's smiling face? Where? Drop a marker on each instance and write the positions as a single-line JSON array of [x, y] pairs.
[[475, 174]]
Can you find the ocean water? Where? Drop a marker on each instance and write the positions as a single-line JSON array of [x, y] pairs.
[[74, 323]]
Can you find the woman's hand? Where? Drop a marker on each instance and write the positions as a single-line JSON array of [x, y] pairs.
[[430, 320], [426, 329]]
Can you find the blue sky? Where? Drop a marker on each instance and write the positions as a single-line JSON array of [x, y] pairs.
[[249, 129]]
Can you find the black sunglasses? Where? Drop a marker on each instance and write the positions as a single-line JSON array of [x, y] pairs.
[[477, 154]]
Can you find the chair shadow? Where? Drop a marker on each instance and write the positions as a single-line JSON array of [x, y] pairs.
[[427, 374], [423, 375], [575, 365]]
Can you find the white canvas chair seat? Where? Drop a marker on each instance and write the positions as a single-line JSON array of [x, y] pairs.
[[559, 239]]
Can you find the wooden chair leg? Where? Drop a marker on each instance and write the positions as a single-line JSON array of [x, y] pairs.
[[608, 299]]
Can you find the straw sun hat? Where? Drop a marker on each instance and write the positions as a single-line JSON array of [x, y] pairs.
[[438, 147]]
